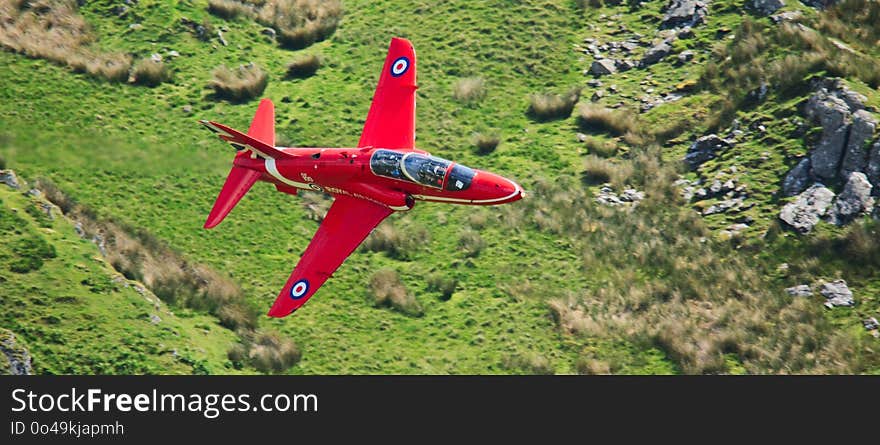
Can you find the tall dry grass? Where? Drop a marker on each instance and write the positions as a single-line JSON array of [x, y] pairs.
[[55, 31], [387, 289], [663, 282], [298, 23], [240, 84], [469, 89], [550, 106]]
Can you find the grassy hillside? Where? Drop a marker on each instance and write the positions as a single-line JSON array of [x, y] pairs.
[[562, 284]]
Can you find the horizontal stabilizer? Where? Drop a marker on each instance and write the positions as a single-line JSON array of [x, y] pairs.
[[242, 141]]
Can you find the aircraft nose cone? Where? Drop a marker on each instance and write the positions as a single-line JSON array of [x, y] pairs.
[[498, 189]]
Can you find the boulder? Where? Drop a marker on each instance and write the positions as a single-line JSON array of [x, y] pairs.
[[656, 54], [685, 56], [705, 148], [836, 293], [855, 199], [872, 171], [834, 116], [787, 16], [14, 357], [766, 7], [870, 323], [602, 67], [804, 213], [9, 178], [681, 13], [802, 290], [797, 179], [819, 4], [855, 158]]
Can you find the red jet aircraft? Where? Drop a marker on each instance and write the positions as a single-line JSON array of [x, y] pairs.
[[383, 174]]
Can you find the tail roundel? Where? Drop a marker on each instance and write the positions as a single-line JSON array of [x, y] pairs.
[[240, 179]]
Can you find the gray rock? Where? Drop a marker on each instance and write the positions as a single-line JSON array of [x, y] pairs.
[[804, 213], [685, 56], [268, 32], [155, 319], [705, 148], [681, 13], [855, 199], [836, 293], [872, 171], [656, 54], [787, 16], [9, 178], [766, 7], [871, 324], [855, 158], [188, 109], [797, 178], [819, 4], [156, 57], [834, 116], [14, 357], [173, 53], [602, 67], [724, 206], [624, 64], [802, 290]]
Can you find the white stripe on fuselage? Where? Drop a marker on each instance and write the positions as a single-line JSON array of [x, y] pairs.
[[273, 170]]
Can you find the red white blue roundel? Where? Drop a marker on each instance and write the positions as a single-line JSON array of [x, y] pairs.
[[299, 289], [400, 66]]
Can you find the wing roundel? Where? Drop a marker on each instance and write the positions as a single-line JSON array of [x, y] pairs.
[[392, 117]]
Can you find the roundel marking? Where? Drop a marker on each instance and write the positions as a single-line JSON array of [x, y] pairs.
[[316, 187], [299, 289], [399, 66]]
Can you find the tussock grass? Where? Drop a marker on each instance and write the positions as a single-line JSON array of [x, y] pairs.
[[711, 304], [443, 284], [150, 72], [268, 352], [398, 243], [530, 363], [238, 85], [469, 89], [387, 290], [470, 242], [486, 143], [602, 148], [598, 170], [55, 31], [298, 23], [596, 118], [551, 106], [303, 66]]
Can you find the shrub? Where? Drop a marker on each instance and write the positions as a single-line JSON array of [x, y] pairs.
[[550, 106], [304, 66], [150, 72], [230, 9], [388, 290], [238, 85], [470, 242], [469, 89], [440, 283], [603, 148], [300, 23], [400, 244], [486, 143], [531, 363], [598, 171], [269, 352], [593, 117]]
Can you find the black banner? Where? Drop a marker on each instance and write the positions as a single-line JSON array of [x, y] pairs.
[[229, 409]]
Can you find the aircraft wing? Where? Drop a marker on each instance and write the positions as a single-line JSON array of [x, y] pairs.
[[346, 225], [392, 117]]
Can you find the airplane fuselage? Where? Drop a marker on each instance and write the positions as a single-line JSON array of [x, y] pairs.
[[392, 178]]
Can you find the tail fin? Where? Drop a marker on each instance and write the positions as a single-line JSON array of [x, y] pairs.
[[240, 179]]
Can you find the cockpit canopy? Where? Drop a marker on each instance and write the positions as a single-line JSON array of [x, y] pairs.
[[422, 169]]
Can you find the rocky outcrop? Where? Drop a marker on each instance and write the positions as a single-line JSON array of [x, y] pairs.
[[836, 293], [833, 114], [603, 67], [804, 213], [682, 13], [872, 171], [766, 7], [797, 178], [9, 178], [15, 358], [855, 158], [705, 148], [801, 290], [656, 53], [853, 201], [819, 4], [607, 197]]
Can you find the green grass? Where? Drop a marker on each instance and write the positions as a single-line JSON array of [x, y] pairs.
[[134, 154]]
